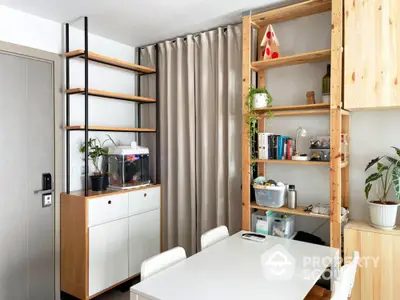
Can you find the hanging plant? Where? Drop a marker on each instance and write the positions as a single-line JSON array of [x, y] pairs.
[[252, 117]]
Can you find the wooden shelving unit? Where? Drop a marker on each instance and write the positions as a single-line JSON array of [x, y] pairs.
[[284, 61], [339, 118], [110, 61], [110, 95], [140, 71]]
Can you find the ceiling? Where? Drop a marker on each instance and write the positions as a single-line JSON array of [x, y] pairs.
[[140, 22]]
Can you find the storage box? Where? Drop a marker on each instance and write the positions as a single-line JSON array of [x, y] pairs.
[[255, 216], [270, 196], [282, 225]]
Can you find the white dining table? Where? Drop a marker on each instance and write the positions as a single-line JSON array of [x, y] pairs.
[[236, 268]]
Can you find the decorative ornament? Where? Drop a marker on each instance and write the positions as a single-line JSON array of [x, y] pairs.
[[270, 44]]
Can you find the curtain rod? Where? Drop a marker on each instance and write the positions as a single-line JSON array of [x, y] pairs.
[[184, 37]]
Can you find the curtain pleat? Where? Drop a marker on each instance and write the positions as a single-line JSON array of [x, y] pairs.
[[200, 127]]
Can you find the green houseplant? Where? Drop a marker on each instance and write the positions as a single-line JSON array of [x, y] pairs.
[[383, 211], [252, 116], [96, 152]]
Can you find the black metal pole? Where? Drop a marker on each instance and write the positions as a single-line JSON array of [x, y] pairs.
[[67, 109], [86, 106], [139, 111], [158, 154]]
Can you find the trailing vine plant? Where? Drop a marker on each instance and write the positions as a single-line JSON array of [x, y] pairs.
[[252, 117]]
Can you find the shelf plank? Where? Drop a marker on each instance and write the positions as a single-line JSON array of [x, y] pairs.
[[291, 12], [105, 128], [300, 113], [291, 162], [110, 61], [299, 210], [111, 95], [303, 58], [293, 107]]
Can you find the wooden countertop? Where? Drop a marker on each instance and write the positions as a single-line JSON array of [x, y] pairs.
[[109, 192], [365, 226]]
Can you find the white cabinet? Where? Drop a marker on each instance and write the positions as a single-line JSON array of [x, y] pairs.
[[144, 200], [108, 208], [106, 236], [144, 238], [108, 255]]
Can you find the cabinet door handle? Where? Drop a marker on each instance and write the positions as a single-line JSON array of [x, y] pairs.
[[145, 194], [109, 201]]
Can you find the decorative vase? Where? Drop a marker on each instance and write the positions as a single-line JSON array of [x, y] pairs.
[[260, 100], [97, 183], [383, 216]]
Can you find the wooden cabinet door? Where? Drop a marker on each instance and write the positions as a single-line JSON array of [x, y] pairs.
[[377, 274], [144, 239], [108, 255], [372, 54]]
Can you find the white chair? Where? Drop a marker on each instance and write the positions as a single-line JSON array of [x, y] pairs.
[[214, 236], [161, 261], [342, 286]]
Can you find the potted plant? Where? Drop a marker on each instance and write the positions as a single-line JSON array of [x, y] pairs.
[[259, 97], [96, 151], [255, 94], [383, 211]]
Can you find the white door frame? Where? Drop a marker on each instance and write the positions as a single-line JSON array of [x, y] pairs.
[[59, 140]]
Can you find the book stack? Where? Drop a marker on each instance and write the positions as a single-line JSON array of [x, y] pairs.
[[274, 146]]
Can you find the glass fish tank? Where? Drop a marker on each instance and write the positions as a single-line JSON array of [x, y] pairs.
[[128, 166]]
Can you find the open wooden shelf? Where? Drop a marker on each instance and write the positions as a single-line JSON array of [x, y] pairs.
[[291, 162], [297, 59], [296, 162], [291, 12], [301, 112], [299, 210], [293, 107], [110, 61], [111, 95], [104, 128]]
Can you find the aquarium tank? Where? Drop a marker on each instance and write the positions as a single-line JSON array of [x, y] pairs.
[[128, 166]]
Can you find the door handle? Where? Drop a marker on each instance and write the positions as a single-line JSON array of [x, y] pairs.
[[43, 192]]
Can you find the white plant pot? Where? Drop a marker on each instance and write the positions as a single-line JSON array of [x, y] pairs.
[[383, 216], [260, 100]]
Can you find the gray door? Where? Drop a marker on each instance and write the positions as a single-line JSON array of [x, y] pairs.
[[26, 152]]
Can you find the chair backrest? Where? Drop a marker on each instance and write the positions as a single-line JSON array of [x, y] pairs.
[[344, 284], [161, 261], [214, 236]]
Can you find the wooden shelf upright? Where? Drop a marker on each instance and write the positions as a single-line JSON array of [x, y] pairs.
[[339, 118]]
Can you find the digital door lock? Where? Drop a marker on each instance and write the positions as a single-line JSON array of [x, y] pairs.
[[46, 191]]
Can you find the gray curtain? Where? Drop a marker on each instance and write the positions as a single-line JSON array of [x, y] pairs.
[[200, 111]]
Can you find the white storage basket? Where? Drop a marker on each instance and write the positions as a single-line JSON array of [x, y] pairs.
[[270, 196]]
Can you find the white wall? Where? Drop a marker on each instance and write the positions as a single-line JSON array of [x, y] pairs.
[[372, 135], [31, 31]]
